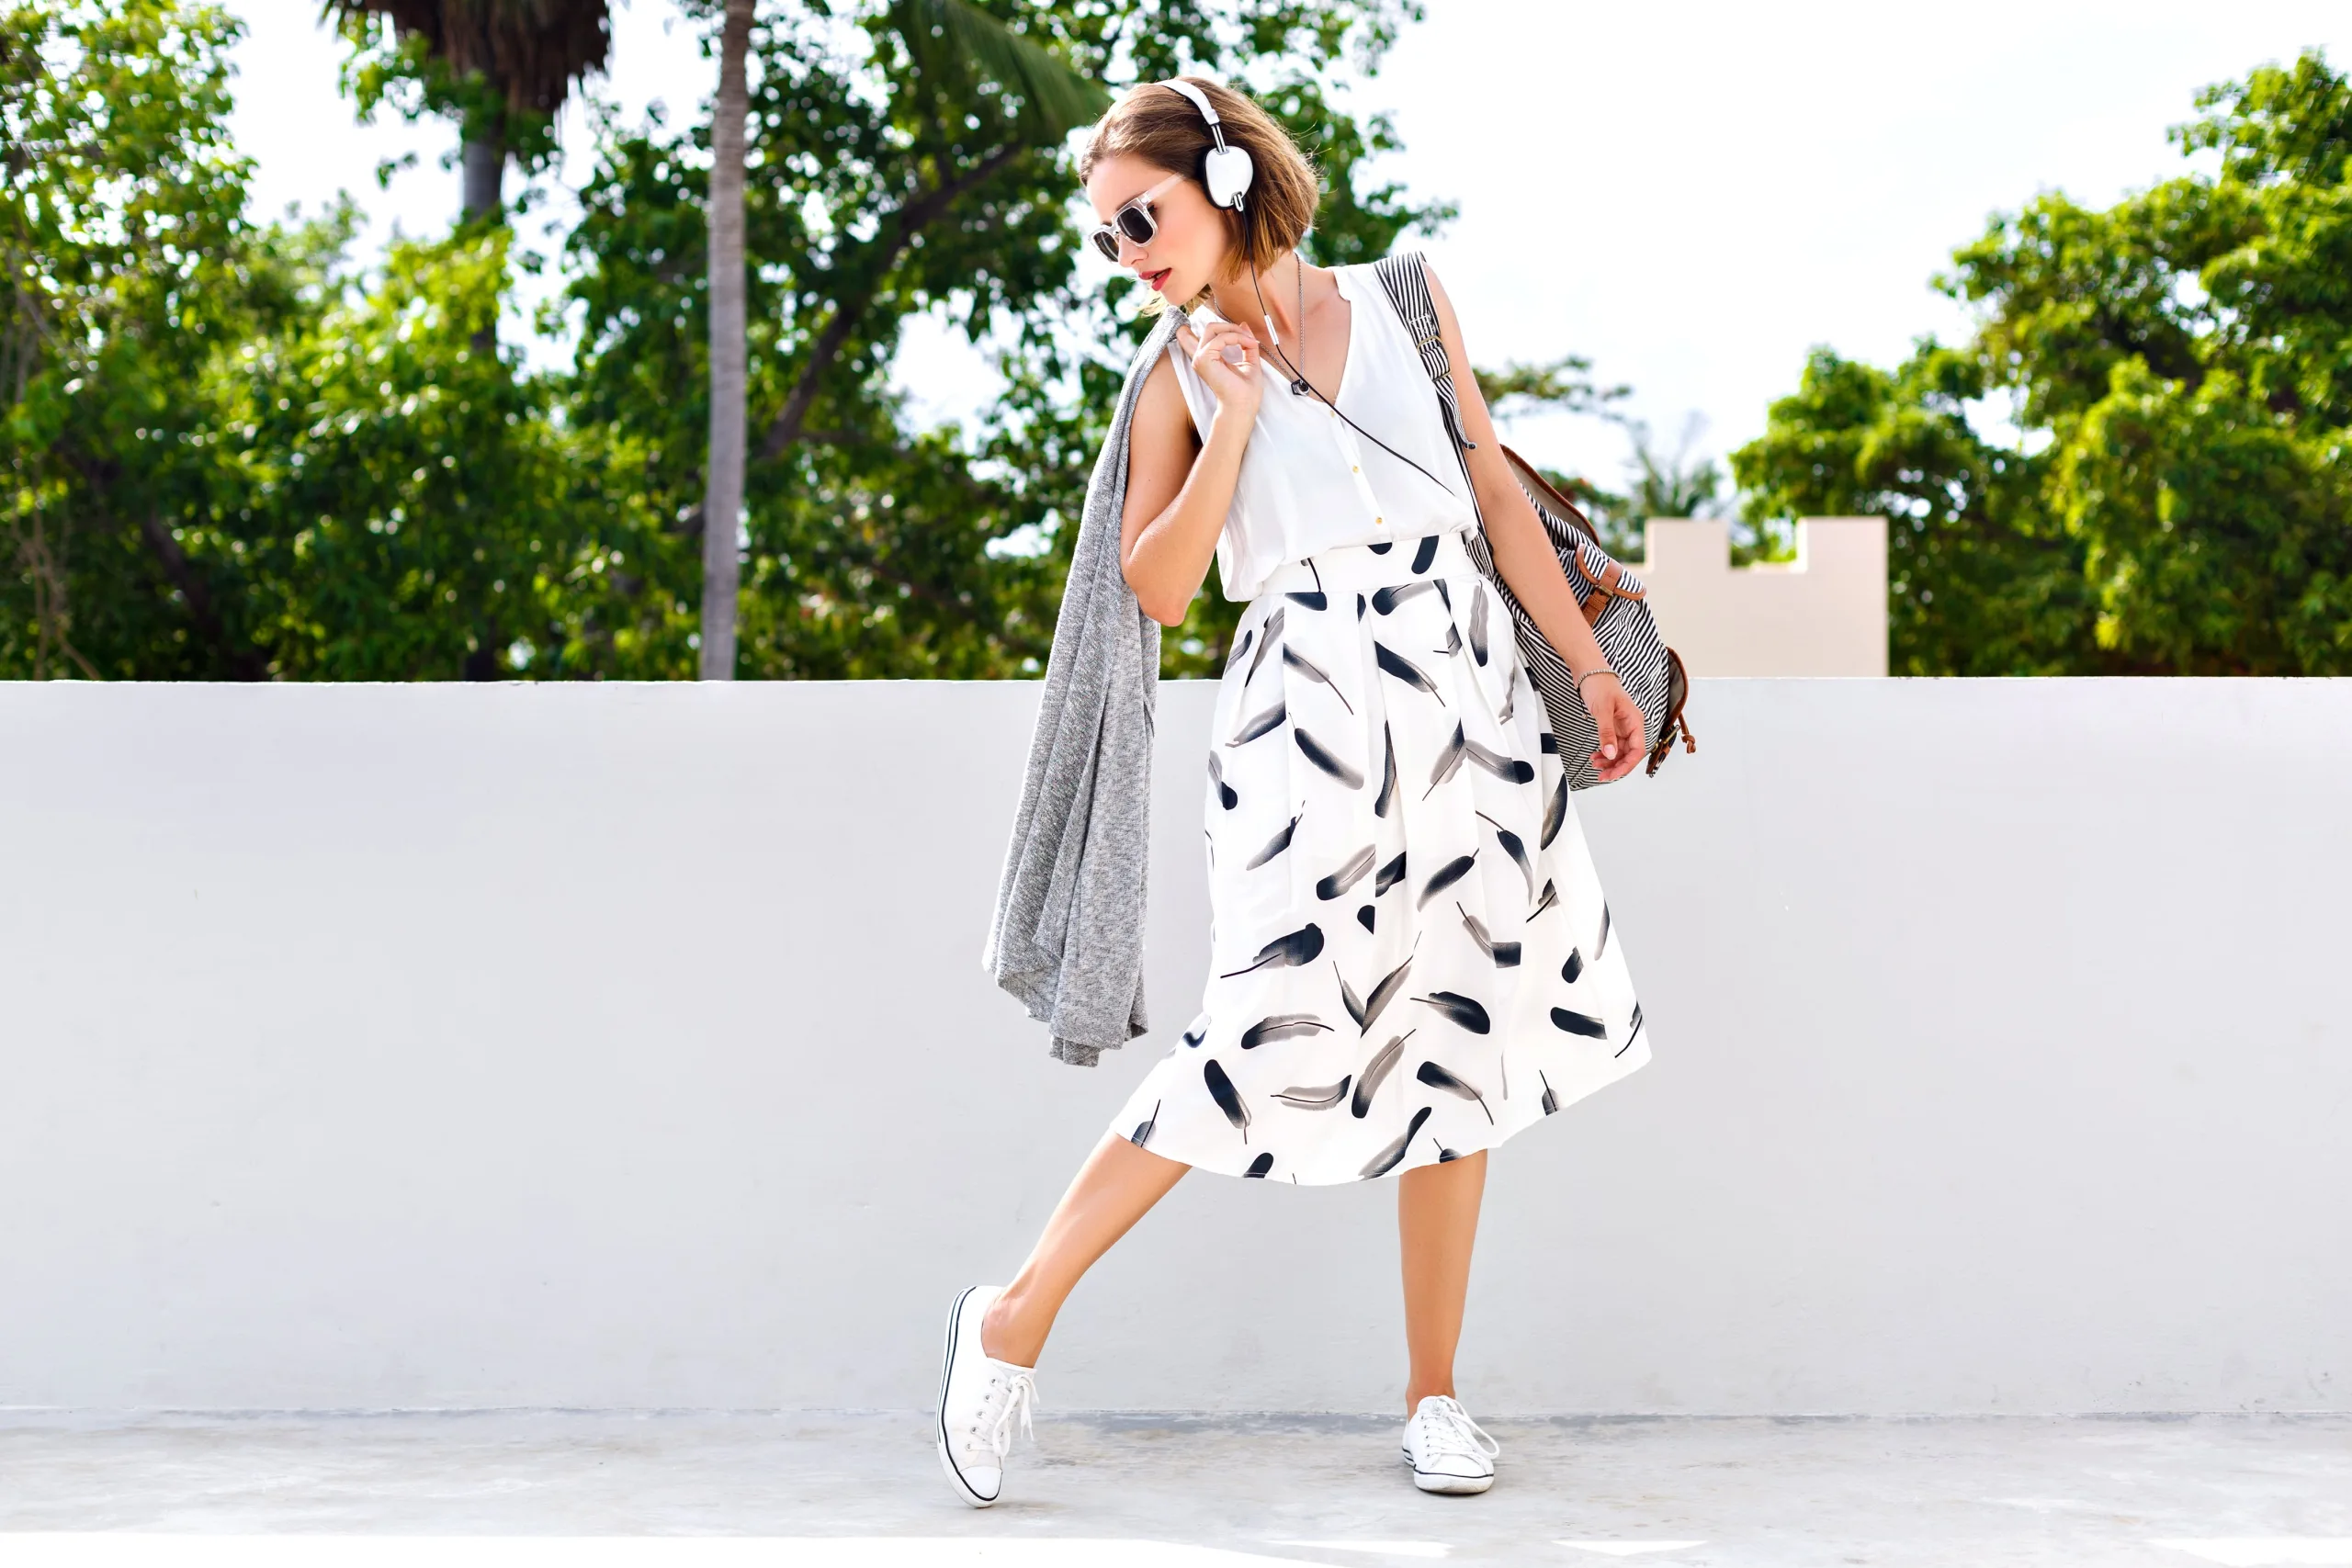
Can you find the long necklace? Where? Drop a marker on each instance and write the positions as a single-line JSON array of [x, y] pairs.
[[1300, 386], [1298, 371]]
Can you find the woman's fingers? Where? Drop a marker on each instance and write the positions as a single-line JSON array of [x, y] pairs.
[[1216, 346], [1627, 722]]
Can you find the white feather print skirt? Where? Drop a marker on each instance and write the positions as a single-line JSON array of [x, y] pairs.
[[1411, 954]]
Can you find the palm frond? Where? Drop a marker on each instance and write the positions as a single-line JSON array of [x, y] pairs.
[[532, 52], [952, 39]]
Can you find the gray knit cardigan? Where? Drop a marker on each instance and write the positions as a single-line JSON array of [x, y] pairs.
[[1068, 937]]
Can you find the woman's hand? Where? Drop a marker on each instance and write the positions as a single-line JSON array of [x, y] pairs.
[[1620, 721], [1236, 388]]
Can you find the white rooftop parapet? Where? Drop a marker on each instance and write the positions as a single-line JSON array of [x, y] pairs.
[[1822, 613]]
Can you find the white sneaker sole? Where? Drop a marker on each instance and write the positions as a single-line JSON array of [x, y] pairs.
[[1438, 1481], [947, 1367]]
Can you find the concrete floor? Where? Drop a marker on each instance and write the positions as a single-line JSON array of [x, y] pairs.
[[602, 1490]]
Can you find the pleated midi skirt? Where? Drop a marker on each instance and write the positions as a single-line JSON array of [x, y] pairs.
[[1411, 956]]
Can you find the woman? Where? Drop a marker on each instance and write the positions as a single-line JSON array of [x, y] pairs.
[[1411, 955]]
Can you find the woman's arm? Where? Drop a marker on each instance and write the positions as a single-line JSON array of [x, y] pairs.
[[1178, 487], [1525, 560]]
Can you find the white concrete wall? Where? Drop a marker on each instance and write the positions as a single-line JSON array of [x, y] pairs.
[[625, 1045], [1822, 613]]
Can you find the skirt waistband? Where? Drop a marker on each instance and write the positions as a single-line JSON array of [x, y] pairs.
[[1369, 566]]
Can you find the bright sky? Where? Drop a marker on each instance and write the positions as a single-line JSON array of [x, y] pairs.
[[1691, 193]]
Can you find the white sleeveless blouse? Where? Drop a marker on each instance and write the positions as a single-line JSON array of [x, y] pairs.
[[1307, 481]]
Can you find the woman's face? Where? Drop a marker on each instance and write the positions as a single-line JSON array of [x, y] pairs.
[[1187, 251]]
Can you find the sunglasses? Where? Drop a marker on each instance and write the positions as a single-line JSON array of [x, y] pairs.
[[1134, 220]]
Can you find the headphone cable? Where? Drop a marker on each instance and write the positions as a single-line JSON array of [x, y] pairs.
[[1300, 385]]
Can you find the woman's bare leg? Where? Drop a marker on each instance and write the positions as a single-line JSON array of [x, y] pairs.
[[1437, 1220], [1116, 1186]]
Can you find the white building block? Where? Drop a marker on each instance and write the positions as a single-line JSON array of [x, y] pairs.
[[1822, 613]]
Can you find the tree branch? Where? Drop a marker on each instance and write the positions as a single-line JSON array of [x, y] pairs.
[[905, 225], [244, 661]]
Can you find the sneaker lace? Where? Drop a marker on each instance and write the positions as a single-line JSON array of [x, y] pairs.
[[1447, 1428], [1009, 1394]]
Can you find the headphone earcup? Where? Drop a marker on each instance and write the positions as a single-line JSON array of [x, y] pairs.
[[1227, 170]]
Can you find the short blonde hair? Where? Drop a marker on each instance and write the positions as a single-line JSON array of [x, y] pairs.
[[1160, 126]]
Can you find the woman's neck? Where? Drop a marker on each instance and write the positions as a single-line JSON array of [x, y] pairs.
[[1279, 285]]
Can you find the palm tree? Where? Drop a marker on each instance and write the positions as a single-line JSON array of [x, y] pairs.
[[954, 45], [723, 476], [528, 53]]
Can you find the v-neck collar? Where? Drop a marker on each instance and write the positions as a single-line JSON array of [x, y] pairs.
[[1347, 366]]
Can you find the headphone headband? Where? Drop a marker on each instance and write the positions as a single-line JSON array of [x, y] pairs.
[[1200, 102], [1226, 171]]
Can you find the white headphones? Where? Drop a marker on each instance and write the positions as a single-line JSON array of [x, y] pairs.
[[1226, 171]]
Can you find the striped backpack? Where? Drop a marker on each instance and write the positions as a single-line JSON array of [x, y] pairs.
[[1613, 600]]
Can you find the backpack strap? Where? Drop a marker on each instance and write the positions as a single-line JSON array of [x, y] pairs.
[[1407, 288]]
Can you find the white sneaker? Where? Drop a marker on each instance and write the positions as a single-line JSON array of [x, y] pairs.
[[978, 1397], [1448, 1452]]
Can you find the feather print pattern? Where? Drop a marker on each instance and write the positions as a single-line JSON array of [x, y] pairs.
[[1270, 720], [1449, 759], [1314, 671], [1582, 1023], [1417, 788], [1384, 1061], [1633, 1027], [1385, 1160], [1504, 953], [1510, 770], [1274, 845], [1322, 1098], [1382, 995], [1267, 636], [1291, 949], [1446, 877], [1229, 1100], [1281, 1026], [1403, 669], [1352, 870], [1388, 796], [1513, 847], [1387, 600], [1444, 1078], [1227, 796], [1314, 598], [1321, 755], [1465, 1011]]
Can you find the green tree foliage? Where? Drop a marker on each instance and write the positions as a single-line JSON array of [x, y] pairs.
[[500, 69], [2180, 365], [873, 550], [229, 457], [232, 453], [121, 274]]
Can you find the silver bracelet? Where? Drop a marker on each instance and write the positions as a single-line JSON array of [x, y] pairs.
[[1596, 670]]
